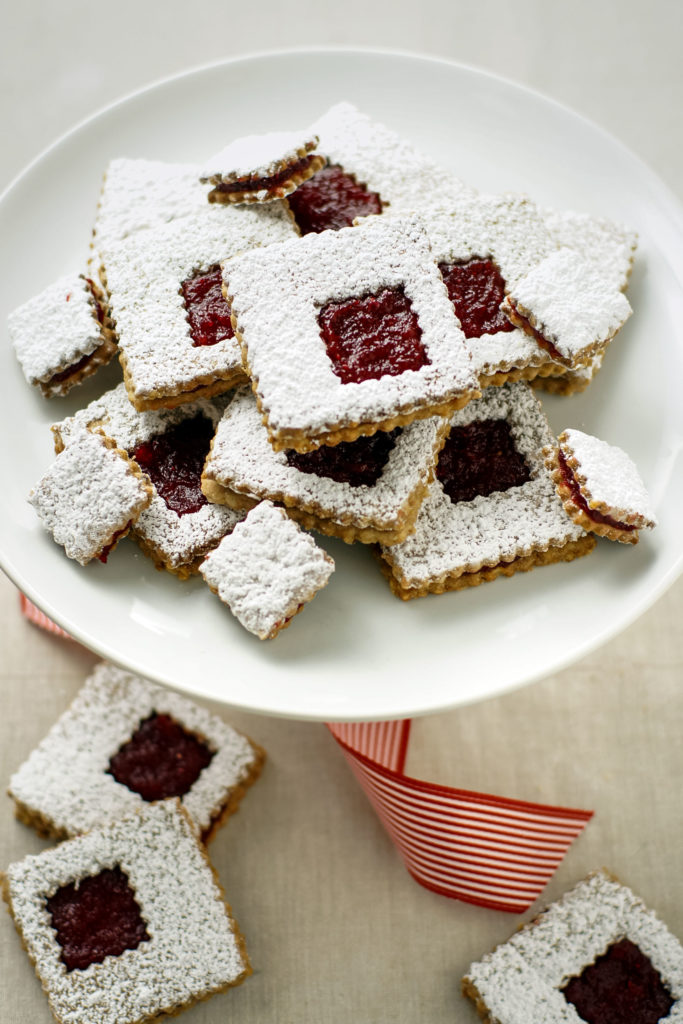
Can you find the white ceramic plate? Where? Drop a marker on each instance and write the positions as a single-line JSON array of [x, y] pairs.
[[357, 652]]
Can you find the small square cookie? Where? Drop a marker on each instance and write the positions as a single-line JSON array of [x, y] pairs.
[[176, 340], [492, 509], [124, 742], [366, 490], [170, 445], [61, 336], [267, 570], [127, 922], [600, 486], [260, 168], [597, 955], [90, 498], [348, 332]]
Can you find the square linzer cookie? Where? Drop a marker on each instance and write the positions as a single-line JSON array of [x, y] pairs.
[[61, 336], [600, 486], [124, 742], [492, 509], [176, 340], [170, 446], [128, 922], [267, 570], [348, 332], [366, 490], [598, 955], [90, 497], [260, 168]]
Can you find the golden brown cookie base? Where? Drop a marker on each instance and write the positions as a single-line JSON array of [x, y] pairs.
[[237, 793], [545, 370], [206, 386], [285, 188], [566, 384], [462, 580], [470, 991], [575, 512], [162, 563], [102, 355]]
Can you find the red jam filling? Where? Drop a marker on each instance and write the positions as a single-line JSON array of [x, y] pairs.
[[331, 199], [96, 917], [525, 325], [373, 336], [272, 181], [174, 462], [360, 462], [577, 497], [105, 552], [479, 459], [476, 289], [621, 987], [160, 759], [207, 311]]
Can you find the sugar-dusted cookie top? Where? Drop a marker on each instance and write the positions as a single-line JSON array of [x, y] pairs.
[[84, 773], [260, 168], [345, 332], [163, 938], [609, 245], [266, 570], [154, 292], [600, 486], [90, 497], [559, 963], [363, 489], [58, 335], [495, 506]]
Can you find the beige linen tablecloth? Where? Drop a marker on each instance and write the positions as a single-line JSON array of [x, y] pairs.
[[336, 929]]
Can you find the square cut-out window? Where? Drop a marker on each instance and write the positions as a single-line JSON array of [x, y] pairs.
[[208, 313], [330, 200], [161, 759], [174, 461], [479, 459], [476, 288]]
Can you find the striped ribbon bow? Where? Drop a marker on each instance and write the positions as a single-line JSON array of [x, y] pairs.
[[482, 849]]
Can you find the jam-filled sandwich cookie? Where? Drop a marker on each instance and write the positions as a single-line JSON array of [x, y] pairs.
[[63, 335], [597, 955], [90, 497], [260, 168], [176, 340], [170, 446], [367, 490], [600, 486], [124, 742], [267, 570], [348, 332], [127, 922], [492, 510]]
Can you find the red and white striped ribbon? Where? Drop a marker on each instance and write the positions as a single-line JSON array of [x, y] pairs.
[[483, 849]]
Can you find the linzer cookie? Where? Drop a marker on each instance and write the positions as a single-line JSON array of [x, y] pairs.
[[493, 509], [267, 570], [570, 306], [90, 497], [348, 332], [124, 742], [176, 340], [365, 490], [62, 336], [170, 445], [600, 486], [598, 954], [260, 168], [127, 922]]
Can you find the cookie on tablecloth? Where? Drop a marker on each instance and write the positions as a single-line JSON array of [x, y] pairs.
[[348, 332], [366, 490], [597, 954], [600, 486], [127, 922], [267, 570], [63, 335], [260, 168], [492, 510], [125, 741], [90, 497]]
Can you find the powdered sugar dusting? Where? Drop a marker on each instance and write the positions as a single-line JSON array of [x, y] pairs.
[[608, 478], [609, 245], [266, 569], [257, 156], [89, 494], [66, 780], [521, 980], [193, 949]]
